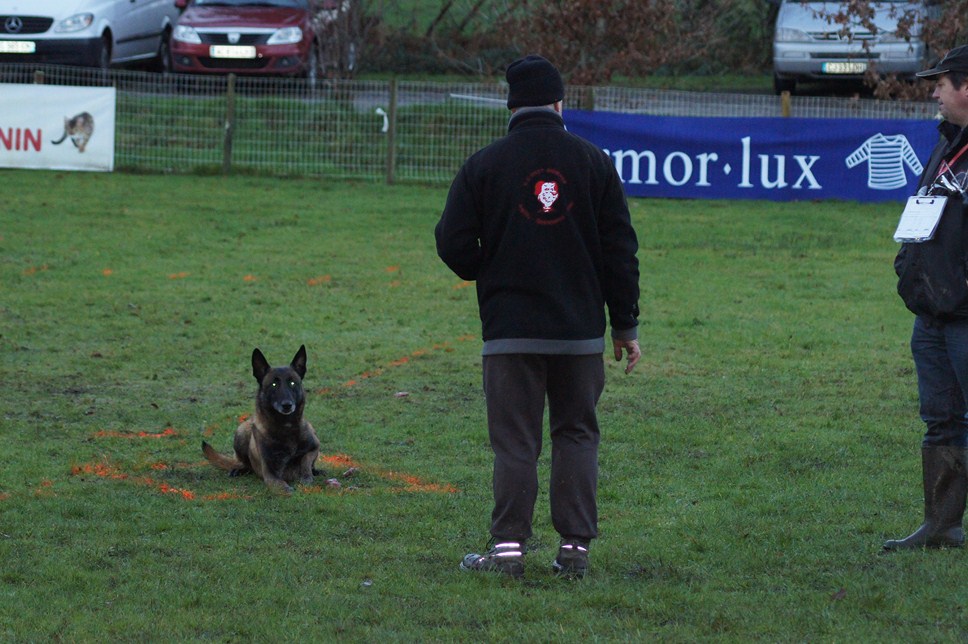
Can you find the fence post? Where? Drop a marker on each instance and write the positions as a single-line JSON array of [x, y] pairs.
[[229, 125], [785, 106], [38, 77], [392, 133]]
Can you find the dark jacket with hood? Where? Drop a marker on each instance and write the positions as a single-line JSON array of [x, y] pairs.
[[933, 275], [539, 219]]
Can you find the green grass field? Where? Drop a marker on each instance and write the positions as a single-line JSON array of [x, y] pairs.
[[751, 466]]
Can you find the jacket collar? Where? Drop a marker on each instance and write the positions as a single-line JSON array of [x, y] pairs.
[[955, 138], [954, 134], [535, 116]]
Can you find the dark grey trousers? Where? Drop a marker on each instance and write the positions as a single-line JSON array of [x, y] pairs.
[[515, 387]]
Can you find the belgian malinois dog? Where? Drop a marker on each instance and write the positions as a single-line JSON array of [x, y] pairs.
[[276, 442]]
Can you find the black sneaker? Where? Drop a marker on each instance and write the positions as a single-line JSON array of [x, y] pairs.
[[572, 559], [506, 557]]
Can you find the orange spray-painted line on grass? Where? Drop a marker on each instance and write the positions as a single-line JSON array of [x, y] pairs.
[[110, 472], [107, 471], [168, 432], [411, 483], [188, 495], [101, 470], [322, 279], [45, 489], [33, 270], [399, 362]]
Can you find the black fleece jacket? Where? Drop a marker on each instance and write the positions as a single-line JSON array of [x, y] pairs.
[[933, 275], [539, 219]]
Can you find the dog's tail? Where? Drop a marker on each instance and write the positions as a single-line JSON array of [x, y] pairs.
[[219, 460]]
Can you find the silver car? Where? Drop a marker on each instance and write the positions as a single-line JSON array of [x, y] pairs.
[[809, 45], [97, 33]]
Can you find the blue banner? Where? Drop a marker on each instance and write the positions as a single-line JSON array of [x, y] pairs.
[[778, 159]]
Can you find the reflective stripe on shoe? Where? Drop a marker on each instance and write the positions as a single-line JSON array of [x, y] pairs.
[[506, 558], [572, 560]]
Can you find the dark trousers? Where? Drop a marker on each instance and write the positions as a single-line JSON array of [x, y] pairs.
[[940, 351], [515, 387]]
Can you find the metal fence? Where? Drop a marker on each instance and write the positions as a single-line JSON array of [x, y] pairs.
[[371, 130]]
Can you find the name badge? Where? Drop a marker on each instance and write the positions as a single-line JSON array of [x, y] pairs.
[[919, 219]]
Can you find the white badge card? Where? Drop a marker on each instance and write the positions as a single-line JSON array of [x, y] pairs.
[[919, 219]]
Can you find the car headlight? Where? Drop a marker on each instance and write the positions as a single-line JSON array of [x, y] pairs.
[[184, 33], [286, 36], [785, 34], [75, 23]]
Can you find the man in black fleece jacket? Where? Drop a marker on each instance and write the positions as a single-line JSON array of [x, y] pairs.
[[539, 220], [933, 283]]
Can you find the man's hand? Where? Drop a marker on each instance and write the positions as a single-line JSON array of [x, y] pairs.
[[631, 347]]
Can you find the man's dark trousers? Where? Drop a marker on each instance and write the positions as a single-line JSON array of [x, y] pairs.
[[515, 387]]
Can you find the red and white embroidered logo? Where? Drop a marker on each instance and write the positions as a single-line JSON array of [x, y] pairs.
[[547, 202], [547, 193]]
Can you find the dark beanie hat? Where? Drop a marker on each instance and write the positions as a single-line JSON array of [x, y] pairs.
[[533, 81]]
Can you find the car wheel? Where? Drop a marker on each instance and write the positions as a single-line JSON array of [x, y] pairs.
[[163, 60], [104, 53]]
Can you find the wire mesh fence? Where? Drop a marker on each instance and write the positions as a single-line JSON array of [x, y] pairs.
[[367, 130]]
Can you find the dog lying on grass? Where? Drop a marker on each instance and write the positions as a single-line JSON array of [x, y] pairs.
[[276, 443]]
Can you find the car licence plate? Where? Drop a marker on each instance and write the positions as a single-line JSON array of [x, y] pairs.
[[17, 47], [844, 68], [231, 51]]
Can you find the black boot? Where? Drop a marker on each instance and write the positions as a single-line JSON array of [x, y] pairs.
[[945, 486]]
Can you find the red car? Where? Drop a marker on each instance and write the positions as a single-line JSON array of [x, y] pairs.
[[264, 37]]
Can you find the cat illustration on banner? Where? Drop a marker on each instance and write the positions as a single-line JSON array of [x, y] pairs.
[[79, 129]]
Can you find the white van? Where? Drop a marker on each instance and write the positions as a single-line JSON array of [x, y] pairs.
[[92, 33], [808, 46]]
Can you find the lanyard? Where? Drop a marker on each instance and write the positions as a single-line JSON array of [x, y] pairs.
[[946, 165]]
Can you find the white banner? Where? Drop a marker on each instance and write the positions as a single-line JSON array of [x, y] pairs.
[[58, 128]]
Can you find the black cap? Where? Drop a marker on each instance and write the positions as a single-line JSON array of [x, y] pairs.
[[955, 60], [533, 81]]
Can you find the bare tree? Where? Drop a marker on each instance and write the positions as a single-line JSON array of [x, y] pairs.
[[591, 40]]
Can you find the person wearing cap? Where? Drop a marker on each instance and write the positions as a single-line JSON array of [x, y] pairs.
[[933, 283], [539, 220]]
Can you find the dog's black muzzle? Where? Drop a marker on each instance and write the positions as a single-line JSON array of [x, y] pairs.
[[284, 407]]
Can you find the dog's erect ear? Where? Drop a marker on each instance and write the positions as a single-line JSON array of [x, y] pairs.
[[260, 366], [299, 362]]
